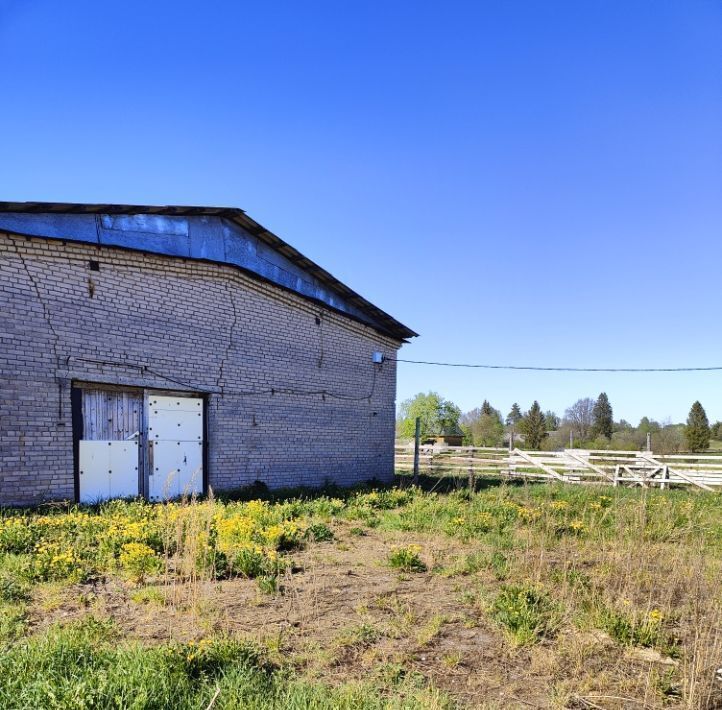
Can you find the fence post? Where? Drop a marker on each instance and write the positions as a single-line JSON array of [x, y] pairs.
[[472, 477], [649, 441], [417, 439]]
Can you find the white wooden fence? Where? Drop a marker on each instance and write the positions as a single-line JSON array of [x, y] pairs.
[[629, 468]]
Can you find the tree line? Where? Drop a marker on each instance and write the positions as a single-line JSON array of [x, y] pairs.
[[588, 423]]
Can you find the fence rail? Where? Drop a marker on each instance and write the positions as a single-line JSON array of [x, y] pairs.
[[628, 468]]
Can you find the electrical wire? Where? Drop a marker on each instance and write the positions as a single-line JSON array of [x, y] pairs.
[[559, 369], [302, 393], [142, 368]]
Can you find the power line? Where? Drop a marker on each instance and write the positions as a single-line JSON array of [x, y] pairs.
[[290, 391], [560, 369]]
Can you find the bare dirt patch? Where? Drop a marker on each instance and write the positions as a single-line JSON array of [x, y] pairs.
[[342, 613]]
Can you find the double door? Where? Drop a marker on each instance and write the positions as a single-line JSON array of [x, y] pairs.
[[136, 442]]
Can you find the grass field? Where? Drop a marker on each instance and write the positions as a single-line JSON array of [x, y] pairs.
[[512, 596]]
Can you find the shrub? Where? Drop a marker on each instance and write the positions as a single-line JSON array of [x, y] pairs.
[[525, 612], [319, 532], [253, 561], [268, 584], [406, 559], [283, 536], [54, 561], [248, 561], [139, 561]]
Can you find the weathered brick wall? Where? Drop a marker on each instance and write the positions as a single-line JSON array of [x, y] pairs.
[[208, 326]]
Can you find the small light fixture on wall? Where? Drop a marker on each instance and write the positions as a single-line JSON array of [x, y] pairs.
[[377, 357]]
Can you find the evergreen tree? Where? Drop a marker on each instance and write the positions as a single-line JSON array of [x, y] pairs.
[[514, 416], [487, 409], [697, 432], [603, 417], [533, 426], [716, 430], [551, 420]]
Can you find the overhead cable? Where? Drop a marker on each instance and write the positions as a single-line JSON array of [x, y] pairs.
[[537, 368]]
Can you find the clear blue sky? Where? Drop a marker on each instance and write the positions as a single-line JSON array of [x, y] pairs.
[[521, 182]]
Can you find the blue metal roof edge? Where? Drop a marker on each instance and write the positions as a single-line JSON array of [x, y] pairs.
[[220, 235]]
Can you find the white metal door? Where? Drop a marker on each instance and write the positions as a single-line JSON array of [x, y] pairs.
[[175, 437], [107, 469]]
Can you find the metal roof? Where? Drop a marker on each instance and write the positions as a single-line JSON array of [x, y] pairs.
[[387, 324]]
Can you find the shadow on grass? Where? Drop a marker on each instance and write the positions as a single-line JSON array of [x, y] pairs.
[[258, 490], [438, 484], [448, 484]]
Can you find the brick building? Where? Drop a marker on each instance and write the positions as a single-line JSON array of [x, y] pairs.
[[160, 350]]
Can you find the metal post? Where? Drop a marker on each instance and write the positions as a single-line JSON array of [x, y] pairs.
[[417, 440], [649, 441]]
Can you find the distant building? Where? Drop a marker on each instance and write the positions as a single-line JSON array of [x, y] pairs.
[[157, 351], [451, 436]]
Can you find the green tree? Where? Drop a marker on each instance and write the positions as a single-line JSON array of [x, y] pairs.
[[438, 415], [533, 427], [603, 417], [697, 433], [551, 420], [483, 426], [468, 422], [514, 416], [647, 426], [716, 430]]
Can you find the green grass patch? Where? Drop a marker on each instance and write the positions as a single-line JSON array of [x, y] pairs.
[[83, 666]]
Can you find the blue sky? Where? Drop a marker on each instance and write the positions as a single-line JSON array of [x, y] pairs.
[[521, 182]]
